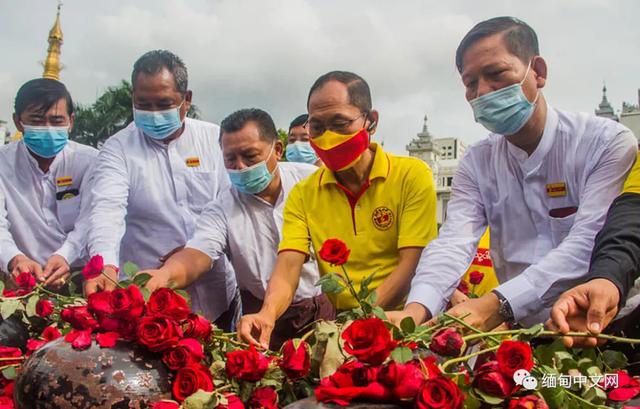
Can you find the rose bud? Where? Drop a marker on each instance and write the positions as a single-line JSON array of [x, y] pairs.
[[447, 342]]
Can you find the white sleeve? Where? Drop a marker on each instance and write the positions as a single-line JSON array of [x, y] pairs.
[[540, 284], [210, 236], [8, 248], [446, 259], [109, 199]]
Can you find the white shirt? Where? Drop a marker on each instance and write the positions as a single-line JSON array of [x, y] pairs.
[[250, 229], [535, 256], [147, 196], [39, 212]]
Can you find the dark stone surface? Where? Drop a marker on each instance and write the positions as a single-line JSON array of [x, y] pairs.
[[58, 376], [311, 403], [13, 333]]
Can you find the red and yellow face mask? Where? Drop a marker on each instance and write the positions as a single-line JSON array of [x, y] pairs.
[[340, 152]]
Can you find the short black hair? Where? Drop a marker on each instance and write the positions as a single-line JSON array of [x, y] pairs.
[[518, 36], [299, 121], [155, 61], [357, 87], [239, 119], [41, 93]]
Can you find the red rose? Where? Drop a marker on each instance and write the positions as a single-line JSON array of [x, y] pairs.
[[26, 281], [107, 339], [463, 287], [198, 327], [439, 392], [93, 268], [166, 404], [514, 355], [352, 381], [430, 366], [369, 340], [334, 252], [9, 293], [44, 308], [628, 388], [233, 402], [190, 379], [164, 302], [79, 317], [158, 333], [489, 379], [475, 277], [296, 361], [528, 402], [127, 302], [404, 380], [6, 402], [188, 351], [79, 339], [10, 352], [33, 345], [99, 303], [447, 342], [246, 365], [50, 333], [263, 398]]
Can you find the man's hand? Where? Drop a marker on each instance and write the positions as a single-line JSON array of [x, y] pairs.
[[159, 279], [588, 307], [22, 263], [56, 271], [416, 311], [256, 328], [458, 297], [102, 283], [481, 313]]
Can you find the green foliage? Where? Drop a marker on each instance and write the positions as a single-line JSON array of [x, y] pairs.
[[402, 355]]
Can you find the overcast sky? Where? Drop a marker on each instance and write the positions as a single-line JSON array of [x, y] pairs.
[[267, 53]]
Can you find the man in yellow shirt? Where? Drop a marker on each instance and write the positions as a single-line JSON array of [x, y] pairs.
[[381, 205]]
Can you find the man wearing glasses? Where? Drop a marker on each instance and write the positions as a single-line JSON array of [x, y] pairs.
[[152, 181], [381, 205]]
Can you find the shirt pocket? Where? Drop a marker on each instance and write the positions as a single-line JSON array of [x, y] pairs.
[[202, 186], [560, 227], [68, 211]]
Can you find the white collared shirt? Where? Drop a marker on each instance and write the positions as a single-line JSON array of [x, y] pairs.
[[250, 229], [39, 212], [583, 159], [147, 196]]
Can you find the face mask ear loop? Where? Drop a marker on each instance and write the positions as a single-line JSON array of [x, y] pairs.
[[525, 77]]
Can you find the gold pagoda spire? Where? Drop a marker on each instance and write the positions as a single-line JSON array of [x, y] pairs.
[[52, 63]]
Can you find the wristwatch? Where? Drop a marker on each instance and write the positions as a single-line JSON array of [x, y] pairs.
[[505, 310]]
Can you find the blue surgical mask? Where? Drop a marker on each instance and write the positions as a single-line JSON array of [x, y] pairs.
[[158, 125], [45, 141], [253, 179], [506, 110], [301, 151]]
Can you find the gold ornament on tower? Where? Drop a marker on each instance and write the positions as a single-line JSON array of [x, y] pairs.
[[52, 65]]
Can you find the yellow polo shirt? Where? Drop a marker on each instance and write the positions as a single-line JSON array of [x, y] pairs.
[[632, 184], [396, 208], [482, 262]]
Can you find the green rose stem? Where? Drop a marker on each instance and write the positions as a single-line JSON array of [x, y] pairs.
[[40, 288], [584, 401], [472, 328], [554, 334], [112, 280], [467, 357], [351, 289]]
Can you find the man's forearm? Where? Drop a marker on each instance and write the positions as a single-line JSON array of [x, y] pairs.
[[282, 284], [186, 266]]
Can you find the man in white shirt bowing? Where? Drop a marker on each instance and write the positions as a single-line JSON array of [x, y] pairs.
[[542, 181], [43, 184], [247, 222], [152, 181]]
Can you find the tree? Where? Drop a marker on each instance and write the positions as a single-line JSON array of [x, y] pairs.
[[111, 112]]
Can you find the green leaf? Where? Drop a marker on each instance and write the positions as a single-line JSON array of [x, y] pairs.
[[471, 402], [408, 325], [31, 305], [402, 355], [141, 279], [9, 372], [555, 397], [130, 269], [8, 307], [201, 400], [146, 293], [595, 395], [379, 312], [73, 288], [532, 332], [326, 355], [491, 400], [372, 298], [612, 359]]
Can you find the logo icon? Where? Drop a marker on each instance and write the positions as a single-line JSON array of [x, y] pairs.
[[524, 378], [382, 218]]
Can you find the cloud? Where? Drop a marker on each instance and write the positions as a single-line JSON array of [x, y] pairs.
[[266, 54]]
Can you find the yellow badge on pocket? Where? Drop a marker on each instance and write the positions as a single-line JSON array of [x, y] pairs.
[[64, 181], [557, 189], [193, 162]]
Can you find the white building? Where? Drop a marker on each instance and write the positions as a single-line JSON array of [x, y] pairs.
[[630, 117], [442, 155]]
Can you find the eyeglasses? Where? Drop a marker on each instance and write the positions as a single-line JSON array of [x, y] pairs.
[[340, 126]]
